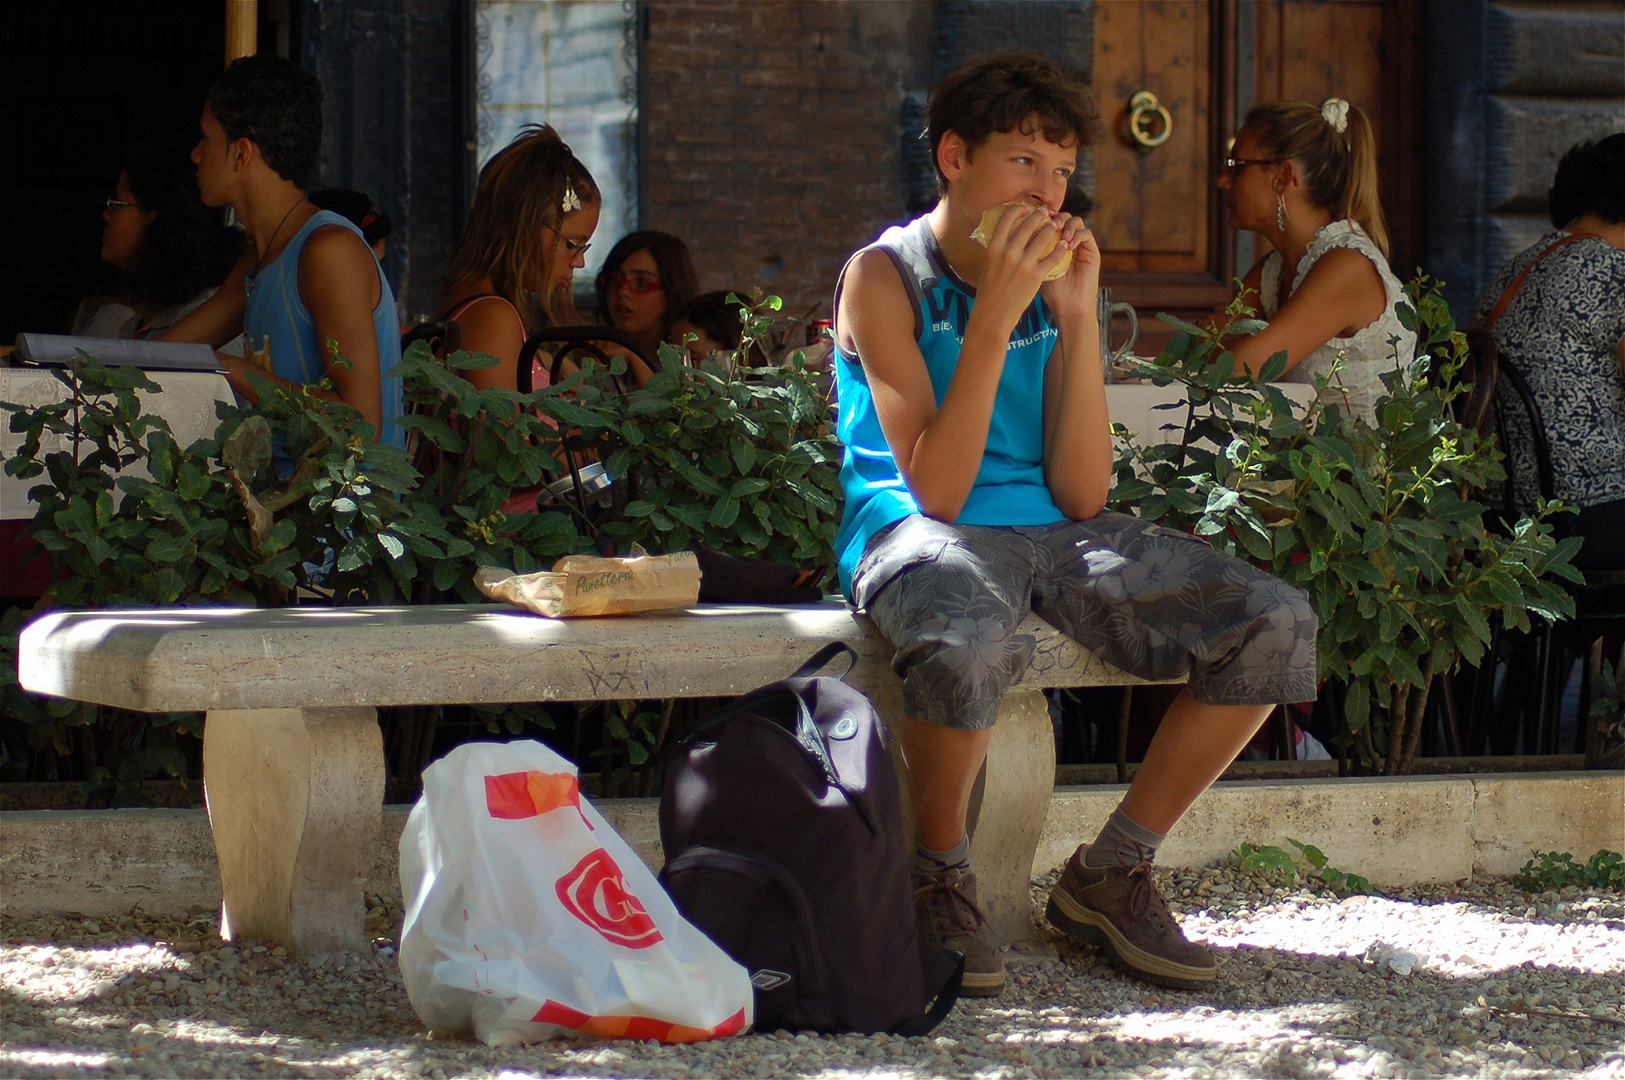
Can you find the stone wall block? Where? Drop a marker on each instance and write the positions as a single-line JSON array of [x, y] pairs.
[[1515, 816], [107, 862], [1525, 139], [1393, 832], [1555, 49]]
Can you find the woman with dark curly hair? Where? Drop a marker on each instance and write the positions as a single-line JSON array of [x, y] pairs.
[[173, 251], [648, 275], [1557, 313]]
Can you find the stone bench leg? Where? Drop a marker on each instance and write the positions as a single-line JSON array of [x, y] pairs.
[[1007, 809], [295, 799], [1007, 812]]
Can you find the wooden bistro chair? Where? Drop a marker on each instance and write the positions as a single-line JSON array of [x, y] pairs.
[[586, 481]]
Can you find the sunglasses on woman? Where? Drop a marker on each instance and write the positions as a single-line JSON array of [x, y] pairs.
[[1236, 164], [637, 281]]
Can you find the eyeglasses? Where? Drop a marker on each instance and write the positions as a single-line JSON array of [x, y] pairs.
[[637, 281], [575, 247], [1236, 164], [113, 203]]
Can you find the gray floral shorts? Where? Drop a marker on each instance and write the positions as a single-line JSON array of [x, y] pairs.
[[1157, 603]]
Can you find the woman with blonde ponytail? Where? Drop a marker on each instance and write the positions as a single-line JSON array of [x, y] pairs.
[[1305, 179]]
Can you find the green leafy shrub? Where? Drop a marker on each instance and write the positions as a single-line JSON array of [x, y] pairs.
[[1376, 524], [209, 523], [1558, 869], [740, 458], [1281, 867]]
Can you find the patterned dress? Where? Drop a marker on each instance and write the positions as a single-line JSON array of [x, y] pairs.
[[1368, 352], [1561, 332]]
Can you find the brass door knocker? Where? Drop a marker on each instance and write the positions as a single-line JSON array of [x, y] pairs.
[[1149, 122]]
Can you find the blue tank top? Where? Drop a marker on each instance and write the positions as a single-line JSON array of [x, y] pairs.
[[1009, 488], [276, 320]]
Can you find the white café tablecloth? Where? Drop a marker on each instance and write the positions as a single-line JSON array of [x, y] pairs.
[[186, 401], [1134, 405]]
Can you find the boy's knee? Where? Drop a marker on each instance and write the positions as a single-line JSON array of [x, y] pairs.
[[956, 670], [1277, 652]]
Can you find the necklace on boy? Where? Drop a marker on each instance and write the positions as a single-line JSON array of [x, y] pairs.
[[259, 263]]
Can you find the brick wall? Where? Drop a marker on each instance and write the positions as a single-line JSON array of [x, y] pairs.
[[772, 133]]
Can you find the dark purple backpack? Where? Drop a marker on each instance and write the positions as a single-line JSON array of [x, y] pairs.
[[784, 840]]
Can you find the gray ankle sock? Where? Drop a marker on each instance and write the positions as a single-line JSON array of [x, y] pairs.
[[1123, 840], [929, 863]]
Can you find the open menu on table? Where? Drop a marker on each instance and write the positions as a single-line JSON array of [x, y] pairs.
[[59, 350]]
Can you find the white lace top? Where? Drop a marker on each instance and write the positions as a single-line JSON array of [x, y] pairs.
[[1368, 353]]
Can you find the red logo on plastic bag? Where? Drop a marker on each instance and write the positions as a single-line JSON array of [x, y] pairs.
[[513, 796], [595, 892], [634, 1027]]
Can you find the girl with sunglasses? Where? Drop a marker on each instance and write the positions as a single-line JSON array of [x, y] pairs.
[[535, 208], [647, 277], [1305, 179]]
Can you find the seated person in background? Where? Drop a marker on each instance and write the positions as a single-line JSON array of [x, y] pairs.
[[309, 276], [173, 251], [534, 212], [1563, 330], [646, 278], [978, 458], [362, 212], [714, 322], [1305, 179]]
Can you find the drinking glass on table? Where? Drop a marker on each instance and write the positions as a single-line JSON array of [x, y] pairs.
[[1106, 310]]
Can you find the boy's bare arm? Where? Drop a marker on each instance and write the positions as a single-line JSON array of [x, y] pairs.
[[939, 450], [219, 318], [338, 281], [1077, 429]]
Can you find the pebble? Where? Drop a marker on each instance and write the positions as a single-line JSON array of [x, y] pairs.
[[1491, 994]]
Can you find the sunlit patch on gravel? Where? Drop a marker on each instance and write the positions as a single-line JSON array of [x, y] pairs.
[[1456, 939], [1507, 985], [1223, 1026], [52, 1059]]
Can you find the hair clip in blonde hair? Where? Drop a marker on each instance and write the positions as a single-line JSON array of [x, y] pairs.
[[1335, 111], [572, 201]]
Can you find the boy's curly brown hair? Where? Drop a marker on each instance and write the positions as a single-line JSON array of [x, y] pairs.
[[1008, 92]]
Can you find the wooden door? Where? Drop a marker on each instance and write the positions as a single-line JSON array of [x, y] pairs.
[[1158, 214], [1156, 210]]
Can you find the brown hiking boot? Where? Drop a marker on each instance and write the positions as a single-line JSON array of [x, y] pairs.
[[1119, 908], [945, 907]]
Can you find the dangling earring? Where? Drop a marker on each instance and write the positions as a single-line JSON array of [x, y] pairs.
[[231, 216], [1280, 211]]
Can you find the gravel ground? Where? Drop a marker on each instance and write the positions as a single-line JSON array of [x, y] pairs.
[[1499, 984]]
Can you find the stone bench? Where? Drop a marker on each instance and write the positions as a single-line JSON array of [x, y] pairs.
[[293, 765]]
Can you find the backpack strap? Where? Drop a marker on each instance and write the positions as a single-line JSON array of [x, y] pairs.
[[943, 1004], [1512, 290], [824, 656]]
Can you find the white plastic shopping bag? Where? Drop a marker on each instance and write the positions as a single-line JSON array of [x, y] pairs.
[[528, 917]]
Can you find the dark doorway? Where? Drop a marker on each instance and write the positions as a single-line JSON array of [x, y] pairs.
[[85, 81]]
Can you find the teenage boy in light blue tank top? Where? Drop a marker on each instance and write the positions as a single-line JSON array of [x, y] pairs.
[[977, 464], [309, 276]]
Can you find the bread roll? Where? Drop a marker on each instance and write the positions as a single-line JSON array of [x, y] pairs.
[[990, 221]]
